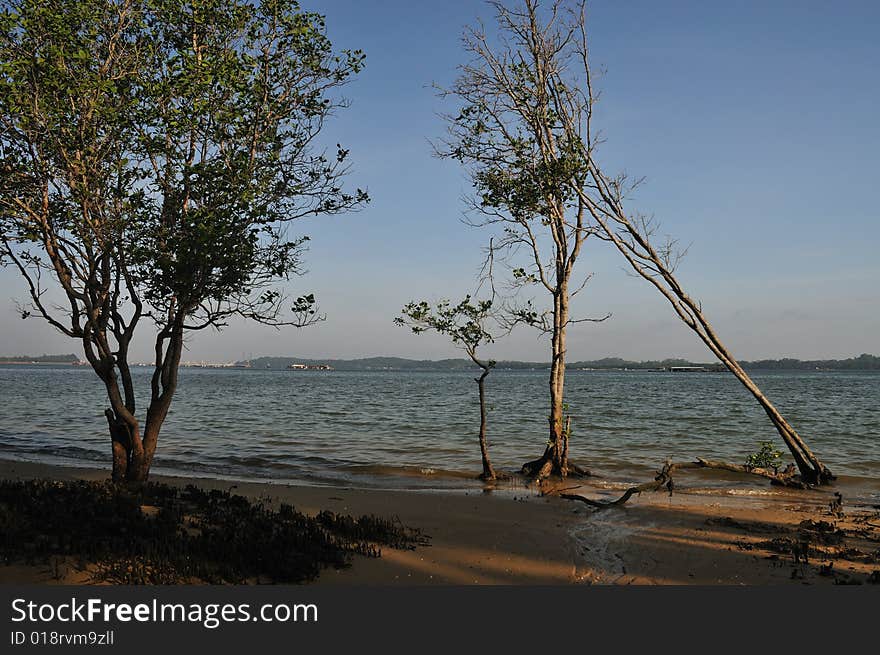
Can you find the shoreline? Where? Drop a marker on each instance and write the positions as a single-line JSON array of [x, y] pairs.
[[715, 536], [865, 490]]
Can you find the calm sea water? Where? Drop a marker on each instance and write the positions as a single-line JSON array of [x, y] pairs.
[[419, 428]]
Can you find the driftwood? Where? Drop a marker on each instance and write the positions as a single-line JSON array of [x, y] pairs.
[[664, 478], [785, 478]]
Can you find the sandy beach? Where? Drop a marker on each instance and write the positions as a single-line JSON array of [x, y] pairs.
[[751, 534]]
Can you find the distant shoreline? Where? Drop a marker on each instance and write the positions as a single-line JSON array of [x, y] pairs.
[[7, 362], [864, 362]]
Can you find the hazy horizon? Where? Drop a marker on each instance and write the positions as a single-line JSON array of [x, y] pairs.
[[456, 356], [756, 129]]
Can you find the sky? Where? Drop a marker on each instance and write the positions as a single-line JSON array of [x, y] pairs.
[[753, 123]]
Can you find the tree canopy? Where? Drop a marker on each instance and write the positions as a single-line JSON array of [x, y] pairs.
[[174, 137], [465, 323], [153, 155]]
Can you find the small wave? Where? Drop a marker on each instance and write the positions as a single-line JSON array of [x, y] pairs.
[[407, 471], [737, 492]]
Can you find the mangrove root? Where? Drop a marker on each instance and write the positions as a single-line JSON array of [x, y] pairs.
[[544, 467]]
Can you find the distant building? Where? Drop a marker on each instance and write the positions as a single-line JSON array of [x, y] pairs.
[[310, 367]]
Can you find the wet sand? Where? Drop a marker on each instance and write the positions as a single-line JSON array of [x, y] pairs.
[[700, 537], [751, 534]]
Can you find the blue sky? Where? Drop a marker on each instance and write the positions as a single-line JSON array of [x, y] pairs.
[[754, 124]]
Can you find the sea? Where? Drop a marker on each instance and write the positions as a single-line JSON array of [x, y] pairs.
[[418, 429]]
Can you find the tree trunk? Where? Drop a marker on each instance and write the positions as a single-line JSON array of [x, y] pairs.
[[554, 461], [566, 432], [163, 385], [811, 469], [130, 463], [120, 442], [139, 468], [131, 458], [123, 426], [488, 471], [140, 456]]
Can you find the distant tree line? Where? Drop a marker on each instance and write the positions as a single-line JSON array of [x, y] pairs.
[[42, 359], [863, 362]]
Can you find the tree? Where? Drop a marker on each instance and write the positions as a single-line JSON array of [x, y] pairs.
[[632, 236], [465, 324], [153, 154], [507, 134], [560, 62]]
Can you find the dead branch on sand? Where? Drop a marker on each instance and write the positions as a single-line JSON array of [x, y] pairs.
[[664, 478]]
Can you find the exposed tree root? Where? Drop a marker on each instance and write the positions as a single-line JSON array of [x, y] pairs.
[[545, 467], [534, 468], [664, 478], [499, 476], [555, 462], [574, 469]]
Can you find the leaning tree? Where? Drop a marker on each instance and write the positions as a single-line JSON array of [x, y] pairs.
[[505, 132], [466, 325], [152, 156], [560, 60]]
